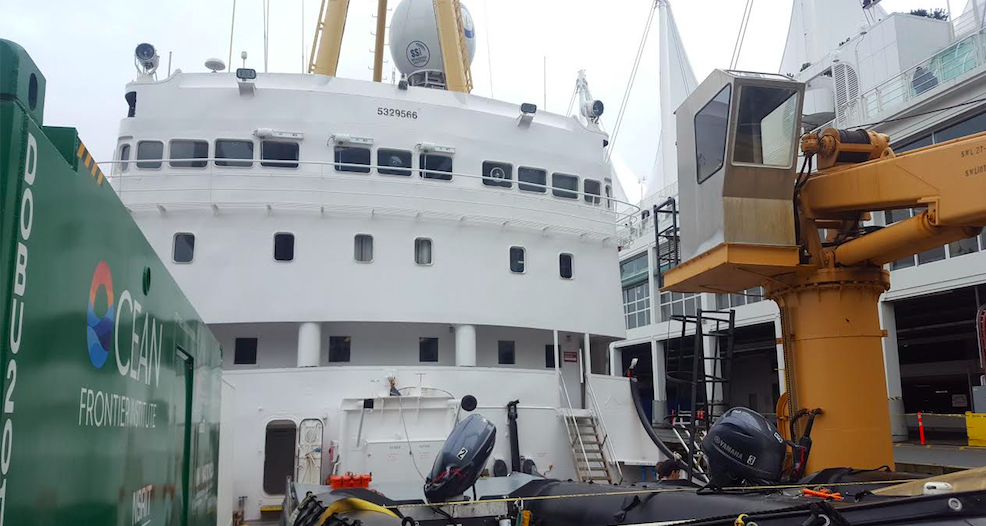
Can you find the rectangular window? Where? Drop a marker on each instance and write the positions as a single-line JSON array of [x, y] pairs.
[[152, 151], [388, 162], [892, 216], [765, 132], [184, 247], [634, 269], [339, 348], [536, 178], [124, 156], [636, 305], [711, 124], [676, 303], [283, 247], [245, 351], [498, 174], [963, 247], [549, 356], [505, 352], [592, 188], [427, 349], [352, 159], [422, 251], [234, 149], [435, 166], [563, 184], [609, 196], [565, 263], [930, 256], [517, 260], [363, 248], [184, 151], [281, 154]]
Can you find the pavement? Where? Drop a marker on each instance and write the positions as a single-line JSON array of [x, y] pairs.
[[946, 455]]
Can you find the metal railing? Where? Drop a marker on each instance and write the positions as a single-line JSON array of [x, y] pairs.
[[945, 68], [574, 428], [605, 443]]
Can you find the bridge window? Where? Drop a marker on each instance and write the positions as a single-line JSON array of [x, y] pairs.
[[124, 156], [565, 185], [565, 265], [153, 151], [506, 352], [517, 260], [765, 133], [183, 151], [389, 160], [339, 348], [710, 134], [234, 149], [422, 251], [245, 351], [282, 154], [184, 247], [284, 247], [592, 191], [352, 159], [497, 174], [435, 166], [427, 349], [536, 177], [363, 248]]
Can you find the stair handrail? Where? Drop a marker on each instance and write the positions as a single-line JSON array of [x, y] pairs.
[[575, 425], [602, 428]]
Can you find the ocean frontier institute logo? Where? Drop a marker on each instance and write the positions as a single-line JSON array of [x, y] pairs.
[[99, 330]]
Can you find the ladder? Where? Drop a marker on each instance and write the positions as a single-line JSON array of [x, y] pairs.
[[588, 448], [463, 48], [668, 246], [707, 378]]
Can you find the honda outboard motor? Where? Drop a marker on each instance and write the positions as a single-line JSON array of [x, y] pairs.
[[461, 460], [743, 448]]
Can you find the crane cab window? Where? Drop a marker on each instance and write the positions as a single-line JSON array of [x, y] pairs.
[[592, 190], [152, 151], [536, 178], [711, 123], [282, 154], [352, 159], [184, 152], [435, 166], [765, 133], [234, 149], [498, 174], [389, 162], [564, 185], [124, 156]]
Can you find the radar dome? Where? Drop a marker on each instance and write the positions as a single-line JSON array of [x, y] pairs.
[[414, 43]]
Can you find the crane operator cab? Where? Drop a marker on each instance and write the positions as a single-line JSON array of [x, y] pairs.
[[737, 151]]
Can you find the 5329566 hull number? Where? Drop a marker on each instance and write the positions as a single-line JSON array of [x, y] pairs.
[[402, 114]]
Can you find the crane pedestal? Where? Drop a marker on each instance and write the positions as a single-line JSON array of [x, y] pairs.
[[834, 361]]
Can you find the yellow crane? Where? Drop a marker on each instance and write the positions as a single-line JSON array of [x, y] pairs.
[[750, 218], [331, 25]]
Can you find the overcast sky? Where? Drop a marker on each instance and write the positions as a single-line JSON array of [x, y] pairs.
[[85, 50]]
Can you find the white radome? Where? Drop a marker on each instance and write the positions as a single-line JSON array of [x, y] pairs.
[[414, 42]]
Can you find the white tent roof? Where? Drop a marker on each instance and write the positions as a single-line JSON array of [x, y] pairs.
[[816, 28]]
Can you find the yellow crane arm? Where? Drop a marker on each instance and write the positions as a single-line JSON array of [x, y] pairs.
[[328, 37], [451, 36]]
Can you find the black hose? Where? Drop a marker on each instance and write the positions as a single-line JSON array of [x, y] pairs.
[[645, 420]]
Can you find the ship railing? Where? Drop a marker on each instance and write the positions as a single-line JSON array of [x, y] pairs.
[[641, 224], [967, 23], [607, 210], [605, 442], [575, 441], [945, 68]]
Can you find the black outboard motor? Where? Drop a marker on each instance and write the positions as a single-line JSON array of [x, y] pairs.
[[744, 448], [461, 460]]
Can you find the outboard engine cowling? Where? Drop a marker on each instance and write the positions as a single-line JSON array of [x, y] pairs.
[[744, 448], [461, 460]]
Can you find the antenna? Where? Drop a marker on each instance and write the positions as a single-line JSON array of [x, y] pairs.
[[232, 24]]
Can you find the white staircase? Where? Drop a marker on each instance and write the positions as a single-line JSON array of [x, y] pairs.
[[588, 444]]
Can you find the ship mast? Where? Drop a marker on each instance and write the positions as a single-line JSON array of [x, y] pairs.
[[327, 43]]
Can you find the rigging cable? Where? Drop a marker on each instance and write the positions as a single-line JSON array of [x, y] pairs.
[[633, 75], [741, 35], [489, 50]]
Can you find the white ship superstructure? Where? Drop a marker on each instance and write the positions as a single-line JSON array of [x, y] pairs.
[[345, 239], [916, 78]]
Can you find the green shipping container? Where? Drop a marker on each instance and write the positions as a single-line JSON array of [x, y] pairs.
[[109, 381]]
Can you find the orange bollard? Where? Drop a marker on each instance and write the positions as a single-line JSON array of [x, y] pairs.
[[921, 427]]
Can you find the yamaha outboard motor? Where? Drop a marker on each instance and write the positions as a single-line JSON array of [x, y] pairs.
[[461, 460], [744, 448]]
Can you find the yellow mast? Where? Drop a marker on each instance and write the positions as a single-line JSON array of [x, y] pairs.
[[378, 48], [451, 36], [328, 37]]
